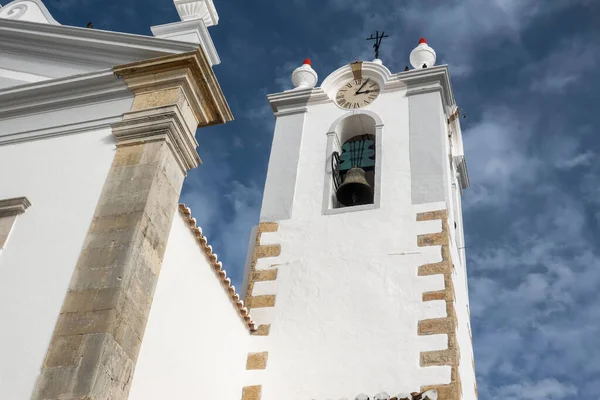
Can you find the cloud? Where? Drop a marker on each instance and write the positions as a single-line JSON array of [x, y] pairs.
[[498, 157], [565, 67], [459, 30], [225, 207], [546, 389], [533, 293]]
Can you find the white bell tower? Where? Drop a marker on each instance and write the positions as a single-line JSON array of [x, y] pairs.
[[357, 277]]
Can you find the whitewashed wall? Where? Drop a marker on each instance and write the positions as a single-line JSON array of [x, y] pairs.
[[62, 177], [347, 301], [195, 344]]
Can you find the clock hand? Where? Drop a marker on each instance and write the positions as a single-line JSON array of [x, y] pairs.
[[365, 92], [362, 86]]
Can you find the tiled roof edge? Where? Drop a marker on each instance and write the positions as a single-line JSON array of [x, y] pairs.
[[218, 267]]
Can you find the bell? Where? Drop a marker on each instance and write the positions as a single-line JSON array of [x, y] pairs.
[[355, 190]]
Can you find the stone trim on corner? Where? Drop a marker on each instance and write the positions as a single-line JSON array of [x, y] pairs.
[[258, 360], [262, 251], [218, 267], [446, 325]]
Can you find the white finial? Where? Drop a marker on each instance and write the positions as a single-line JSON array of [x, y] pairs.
[[304, 76], [377, 61], [197, 9], [422, 56]]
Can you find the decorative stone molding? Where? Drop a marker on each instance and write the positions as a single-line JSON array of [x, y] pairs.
[[185, 79], [27, 10], [446, 325], [14, 206], [163, 124], [218, 268], [197, 9]]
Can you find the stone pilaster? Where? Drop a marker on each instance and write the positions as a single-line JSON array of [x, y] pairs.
[[99, 331]]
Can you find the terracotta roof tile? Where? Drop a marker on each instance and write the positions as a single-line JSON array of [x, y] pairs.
[[218, 267]]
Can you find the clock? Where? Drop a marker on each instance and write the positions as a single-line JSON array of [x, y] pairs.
[[357, 93]]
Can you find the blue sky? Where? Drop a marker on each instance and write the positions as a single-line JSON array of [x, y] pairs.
[[526, 74]]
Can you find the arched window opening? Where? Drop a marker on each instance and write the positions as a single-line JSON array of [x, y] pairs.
[[353, 163]]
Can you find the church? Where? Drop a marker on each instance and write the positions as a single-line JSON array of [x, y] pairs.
[[355, 284]]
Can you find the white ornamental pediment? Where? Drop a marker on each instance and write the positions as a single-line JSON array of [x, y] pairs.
[[27, 10]]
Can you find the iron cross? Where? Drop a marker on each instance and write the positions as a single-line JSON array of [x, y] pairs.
[[377, 40]]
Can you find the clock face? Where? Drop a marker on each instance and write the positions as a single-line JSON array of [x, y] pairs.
[[357, 93]]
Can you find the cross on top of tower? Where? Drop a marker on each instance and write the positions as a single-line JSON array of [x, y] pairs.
[[377, 38]]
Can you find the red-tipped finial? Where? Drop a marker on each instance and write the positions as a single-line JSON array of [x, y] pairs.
[[422, 40], [306, 61]]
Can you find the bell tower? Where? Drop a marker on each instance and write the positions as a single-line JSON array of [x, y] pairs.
[[356, 275]]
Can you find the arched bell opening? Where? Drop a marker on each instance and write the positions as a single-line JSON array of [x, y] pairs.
[[353, 162]]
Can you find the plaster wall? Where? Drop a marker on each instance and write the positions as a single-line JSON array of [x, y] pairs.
[[195, 342], [278, 197], [348, 297], [427, 148], [27, 69], [62, 177]]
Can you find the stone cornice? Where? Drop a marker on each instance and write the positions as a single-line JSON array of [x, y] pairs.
[[189, 71], [82, 45], [14, 206], [160, 124]]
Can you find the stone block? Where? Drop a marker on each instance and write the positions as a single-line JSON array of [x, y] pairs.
[[63, 351], [128, 155], [99, 278], [257, 360], [436, 326], [264, 275], [267, 250], [91, 300], [439, 357], [108, 223], [251, 392], [262, 330], [431, 215], [115, 238], [85, 322], [261, 301]]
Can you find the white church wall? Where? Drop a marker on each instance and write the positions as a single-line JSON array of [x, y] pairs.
[[62, 177], [348, 300], [427, 148], [463, 331], [278, 197], [195, 343]]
